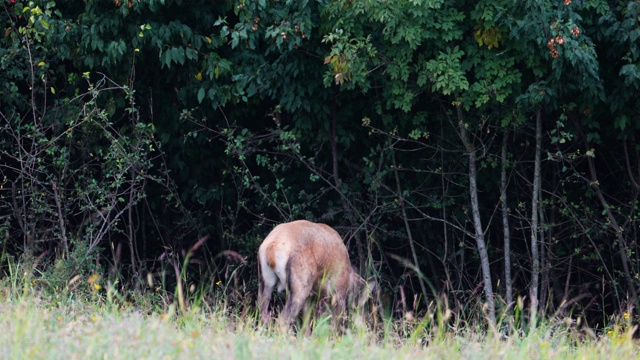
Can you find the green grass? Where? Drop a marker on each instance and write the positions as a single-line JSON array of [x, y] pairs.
[[35, 325]]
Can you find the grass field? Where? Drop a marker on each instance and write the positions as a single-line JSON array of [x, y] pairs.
[[34, 325]]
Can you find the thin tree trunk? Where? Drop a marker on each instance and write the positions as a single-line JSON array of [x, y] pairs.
[[61, 222], [132, 245], [477, 222], [408, 229], [544, 259], [535, 197], [505, 221], [445, 229], [338, 183], [622, 243]]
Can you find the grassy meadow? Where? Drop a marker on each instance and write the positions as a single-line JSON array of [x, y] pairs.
[[97, 323]]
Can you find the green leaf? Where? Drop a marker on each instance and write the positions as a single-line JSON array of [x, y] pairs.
[[621, 122], [166, 59], [201, 95], [191, 54]]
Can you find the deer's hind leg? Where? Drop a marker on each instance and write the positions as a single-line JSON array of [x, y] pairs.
[[300, 282], [268, 280]]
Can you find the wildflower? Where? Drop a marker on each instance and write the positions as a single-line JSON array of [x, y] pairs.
[[567, 2], [93, 278], [219, 282], [626, 316]]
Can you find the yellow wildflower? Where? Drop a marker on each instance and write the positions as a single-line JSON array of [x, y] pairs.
[[93, 278]]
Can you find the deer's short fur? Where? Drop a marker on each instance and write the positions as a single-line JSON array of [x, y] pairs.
[[307, 258]]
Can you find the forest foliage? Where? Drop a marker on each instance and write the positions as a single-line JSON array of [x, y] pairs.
[[146, 136]]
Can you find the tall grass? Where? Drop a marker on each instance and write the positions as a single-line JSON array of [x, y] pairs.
[[35, 324]]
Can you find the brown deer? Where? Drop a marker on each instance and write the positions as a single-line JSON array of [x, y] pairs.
[[307, 258]]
